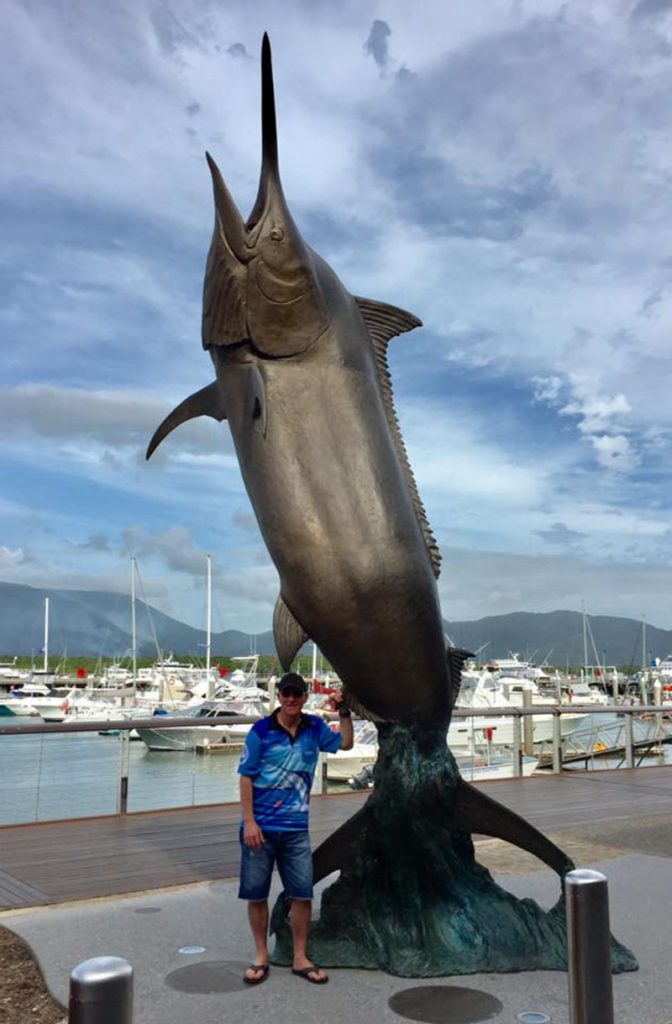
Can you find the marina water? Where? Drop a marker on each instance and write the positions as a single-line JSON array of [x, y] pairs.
[[75, 775]]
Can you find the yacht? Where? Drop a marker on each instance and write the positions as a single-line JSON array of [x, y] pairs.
[[16, 707], [483, 690], [579, 692], [187, 738], [11, 675], [342, 765], [48, 706]]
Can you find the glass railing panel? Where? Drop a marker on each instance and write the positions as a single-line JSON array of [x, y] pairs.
[[52, 777], [181, 778]]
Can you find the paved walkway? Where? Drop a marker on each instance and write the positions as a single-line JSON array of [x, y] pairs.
[[172, 986]]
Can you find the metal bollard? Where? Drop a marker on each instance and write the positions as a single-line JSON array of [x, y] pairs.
[[588, 948], [101, 992]]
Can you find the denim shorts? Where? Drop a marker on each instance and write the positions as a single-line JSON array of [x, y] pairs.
[[291, 851]]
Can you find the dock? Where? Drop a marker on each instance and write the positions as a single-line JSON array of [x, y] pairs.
[[59, 862]]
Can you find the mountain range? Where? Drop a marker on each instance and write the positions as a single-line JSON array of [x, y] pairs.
[[97, 624]]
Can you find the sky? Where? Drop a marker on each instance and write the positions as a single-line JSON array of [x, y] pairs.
[[503, 170]]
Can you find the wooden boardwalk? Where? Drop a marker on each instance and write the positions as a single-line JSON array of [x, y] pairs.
[[58, 862]]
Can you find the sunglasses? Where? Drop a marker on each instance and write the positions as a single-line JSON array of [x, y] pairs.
[[291, 691]]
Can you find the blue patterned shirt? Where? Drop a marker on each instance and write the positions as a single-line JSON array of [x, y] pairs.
[[282, 768]]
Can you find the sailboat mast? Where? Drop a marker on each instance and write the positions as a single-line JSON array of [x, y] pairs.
[[46, 634], [643, 643], [585, 638], [208, 631], [134, 630]]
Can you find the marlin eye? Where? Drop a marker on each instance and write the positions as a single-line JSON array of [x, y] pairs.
[[277, 234]]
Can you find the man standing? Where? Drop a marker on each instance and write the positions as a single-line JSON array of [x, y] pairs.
[[276, 775]]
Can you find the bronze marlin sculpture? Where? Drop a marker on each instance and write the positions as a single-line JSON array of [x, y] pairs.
[[302, 378]]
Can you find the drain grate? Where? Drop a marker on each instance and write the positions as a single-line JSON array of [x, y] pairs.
[[147, 910], [208, 977], [437, 1004]]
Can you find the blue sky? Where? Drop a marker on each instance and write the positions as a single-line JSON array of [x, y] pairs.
[[501, 169]]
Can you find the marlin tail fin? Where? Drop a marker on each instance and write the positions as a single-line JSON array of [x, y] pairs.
[[473, 811]]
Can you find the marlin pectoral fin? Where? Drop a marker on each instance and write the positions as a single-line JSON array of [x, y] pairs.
[[473, 811], [290, 636], [334, 852], [206, 402]]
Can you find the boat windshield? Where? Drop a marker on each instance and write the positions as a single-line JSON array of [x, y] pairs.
[[366, 733]]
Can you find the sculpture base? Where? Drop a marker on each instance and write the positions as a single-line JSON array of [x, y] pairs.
[[413, 900]]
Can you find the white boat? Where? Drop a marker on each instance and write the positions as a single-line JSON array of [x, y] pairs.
[[580, 692], [187, 738], [16, 707], [10, 674], [483, 690], [85, 706], [342, 765], [48, 706]]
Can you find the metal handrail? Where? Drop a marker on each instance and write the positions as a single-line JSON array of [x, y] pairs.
[[122, 724], [175, 722]]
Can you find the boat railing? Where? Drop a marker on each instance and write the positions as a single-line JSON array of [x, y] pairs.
[[63, 773]]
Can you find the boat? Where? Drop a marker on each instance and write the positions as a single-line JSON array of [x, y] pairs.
[[11, 675], [579, 692], [344, 764], [48, 706], [16, 707], [481, 690], [187, 738]]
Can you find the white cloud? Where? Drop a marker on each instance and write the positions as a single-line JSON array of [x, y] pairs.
[[596, 412], [9, 558], [614, 452]]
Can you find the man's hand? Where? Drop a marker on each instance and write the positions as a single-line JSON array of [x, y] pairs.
[[335, 701], [252, 835]]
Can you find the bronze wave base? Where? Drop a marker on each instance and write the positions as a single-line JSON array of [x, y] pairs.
[[411, 898]]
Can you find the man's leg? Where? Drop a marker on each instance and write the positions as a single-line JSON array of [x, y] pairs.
[[299, 918], [257, 912], [295, 864], [256, 867]]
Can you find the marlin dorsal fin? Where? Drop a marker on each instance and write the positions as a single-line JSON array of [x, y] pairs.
[[289, 635], [455, 658], [206, 402], [383, 323]]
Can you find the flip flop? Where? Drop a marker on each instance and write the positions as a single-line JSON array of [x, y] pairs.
[[305, 972], [256, 967]]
